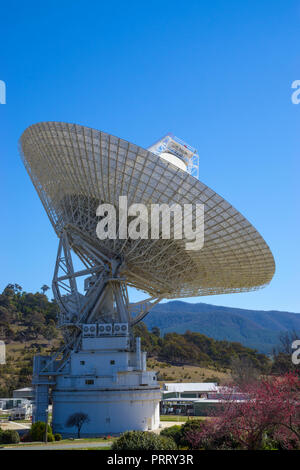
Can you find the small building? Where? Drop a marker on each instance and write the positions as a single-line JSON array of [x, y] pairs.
[[11, 403], [27, 392], [189, 390], [195, 399], [21, 412], [180, 398]]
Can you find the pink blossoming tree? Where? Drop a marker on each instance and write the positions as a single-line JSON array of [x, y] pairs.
[[270, 412]]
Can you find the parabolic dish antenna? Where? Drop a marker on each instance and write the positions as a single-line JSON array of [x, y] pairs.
[[74, 170]]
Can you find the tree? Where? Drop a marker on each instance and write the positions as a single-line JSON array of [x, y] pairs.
[[44, 288], [212, 437], [77, 420], [18, 289], [156, 331], [50, 331], [4, 315], [12, 289], [270, 411], [242, 371]]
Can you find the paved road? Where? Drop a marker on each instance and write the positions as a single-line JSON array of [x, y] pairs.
[[75, 445], [14, 425]]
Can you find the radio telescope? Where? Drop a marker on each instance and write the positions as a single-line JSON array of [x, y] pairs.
[[101, 370]]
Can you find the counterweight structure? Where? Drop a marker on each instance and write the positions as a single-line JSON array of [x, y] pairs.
[[101, 369]]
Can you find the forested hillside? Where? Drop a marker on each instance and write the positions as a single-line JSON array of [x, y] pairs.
[[26, 316], [27, 325], [196, 349]]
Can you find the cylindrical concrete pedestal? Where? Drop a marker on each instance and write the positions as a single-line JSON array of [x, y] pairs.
[[109, 411]]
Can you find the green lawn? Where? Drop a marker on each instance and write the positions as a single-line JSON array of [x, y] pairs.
[[83, 440], [63, 441], [180, 418], [93, 448]]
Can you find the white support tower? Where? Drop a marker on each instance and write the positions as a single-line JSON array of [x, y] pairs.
[[100, 370]]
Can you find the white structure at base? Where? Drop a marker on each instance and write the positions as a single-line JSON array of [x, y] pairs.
[[105, 379], [21, 412], [198, 388]]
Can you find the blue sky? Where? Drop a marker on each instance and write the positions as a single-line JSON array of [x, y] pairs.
[[216, 74]]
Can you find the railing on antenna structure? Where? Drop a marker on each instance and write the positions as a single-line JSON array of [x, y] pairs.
[[163, 145]]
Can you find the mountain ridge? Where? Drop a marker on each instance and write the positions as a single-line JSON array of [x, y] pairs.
[[259, 329]]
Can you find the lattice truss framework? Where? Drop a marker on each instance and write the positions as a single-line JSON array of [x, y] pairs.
[[75, 168]]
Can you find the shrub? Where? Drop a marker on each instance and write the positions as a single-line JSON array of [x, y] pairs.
[[37, 432], [275, 439], [50, 437], [141, 440], [57, 436], [173, 432], [211, 437], [26, 437], [270, 444], [9, 437], [222, 441], [192, 425]]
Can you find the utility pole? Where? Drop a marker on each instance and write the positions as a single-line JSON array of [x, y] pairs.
[[46, 427]]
